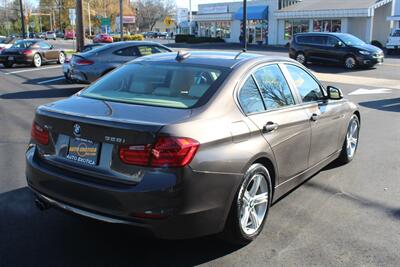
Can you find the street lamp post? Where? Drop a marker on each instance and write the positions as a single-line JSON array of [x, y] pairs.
[[90, 24], [121, 16], [245, 25], [190, 16]]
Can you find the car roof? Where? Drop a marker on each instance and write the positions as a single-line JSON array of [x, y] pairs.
[[322, 33], [212, 58]]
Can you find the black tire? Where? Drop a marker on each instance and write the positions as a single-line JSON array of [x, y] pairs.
[[8, 64], [344, 156], [233, 232], [347, 61], [301, 58]]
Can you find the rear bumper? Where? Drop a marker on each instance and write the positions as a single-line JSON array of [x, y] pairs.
[[191, 203], [17, 59]]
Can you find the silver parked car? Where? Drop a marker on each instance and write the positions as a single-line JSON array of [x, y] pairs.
[[88, 66]]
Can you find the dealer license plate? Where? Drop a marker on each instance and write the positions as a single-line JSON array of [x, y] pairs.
[[83, 151]]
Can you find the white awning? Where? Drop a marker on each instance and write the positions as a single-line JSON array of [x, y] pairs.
[[213, 17]]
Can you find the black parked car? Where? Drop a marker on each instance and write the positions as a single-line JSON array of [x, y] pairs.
[[340, 48]]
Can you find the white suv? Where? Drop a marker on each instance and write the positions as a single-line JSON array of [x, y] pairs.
[[50, 35], [393, 42]]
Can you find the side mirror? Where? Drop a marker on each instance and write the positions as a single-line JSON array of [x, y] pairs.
[[51, 46], [339, 44], [334, 93]]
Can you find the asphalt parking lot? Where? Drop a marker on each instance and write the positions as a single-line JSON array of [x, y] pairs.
[[343, 216]]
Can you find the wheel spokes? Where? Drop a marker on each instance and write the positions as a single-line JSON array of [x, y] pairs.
[[255, 186], [261, 198], [254, 219]]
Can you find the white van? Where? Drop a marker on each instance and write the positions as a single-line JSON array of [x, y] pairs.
[[393, 42]]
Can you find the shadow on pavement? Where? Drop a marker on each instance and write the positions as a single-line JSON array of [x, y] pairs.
[[46, 93], [390, 104], [30, 237]]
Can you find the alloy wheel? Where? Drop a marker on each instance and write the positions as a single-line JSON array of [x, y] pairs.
[[350, 62], [301, 58], [37, 60], [254, 204], [61, 58], [352, 138]]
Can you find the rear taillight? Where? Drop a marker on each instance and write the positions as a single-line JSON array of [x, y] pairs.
[[135, 155], [84, 62], [27, 52], [167, 152], [39, 134]]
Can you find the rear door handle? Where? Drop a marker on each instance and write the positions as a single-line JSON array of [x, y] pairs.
[[270, 126], [314, 117]]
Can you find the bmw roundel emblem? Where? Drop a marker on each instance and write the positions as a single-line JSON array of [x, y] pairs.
[[77, 129]]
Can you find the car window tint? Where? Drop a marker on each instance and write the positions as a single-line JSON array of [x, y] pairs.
[[303, 39], [308, 88], [318, 40], [127, 52], [331, 41], [43, 45], [250, 98], [273, 86], [150, 49]]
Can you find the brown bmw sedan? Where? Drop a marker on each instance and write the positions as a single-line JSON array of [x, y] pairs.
[[31, 51], [186, 145]]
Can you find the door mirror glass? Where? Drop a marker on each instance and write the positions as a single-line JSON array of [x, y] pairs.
[[334, 93]]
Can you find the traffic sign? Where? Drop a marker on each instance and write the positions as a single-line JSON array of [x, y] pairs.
[[168, 21], [105, 22]]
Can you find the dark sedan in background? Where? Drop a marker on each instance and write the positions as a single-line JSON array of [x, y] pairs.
[[88, 66], [31, 51], [187, 145], [341, 48]]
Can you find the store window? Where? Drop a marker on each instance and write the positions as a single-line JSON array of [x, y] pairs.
[[215, 29], [295, 26], [327, 25]]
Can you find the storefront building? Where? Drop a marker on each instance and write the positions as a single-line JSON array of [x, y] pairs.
[[224, 20], [366, 19], [274, 22]]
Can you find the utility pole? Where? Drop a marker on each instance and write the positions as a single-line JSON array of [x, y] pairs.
[[121, 19], [245, 25], [190, 16], [22, 19], [80, 34]]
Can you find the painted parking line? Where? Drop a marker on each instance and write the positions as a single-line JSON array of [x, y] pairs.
[[358, 80], [52, 80], [29, 70]]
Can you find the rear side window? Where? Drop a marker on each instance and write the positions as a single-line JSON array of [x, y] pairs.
[[157, 84], [250, 98], [127, 52], [308, 88], [318, 40], [274, 89], [146, 50]]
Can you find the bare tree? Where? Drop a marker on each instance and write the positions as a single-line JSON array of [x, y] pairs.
[[151, 11]]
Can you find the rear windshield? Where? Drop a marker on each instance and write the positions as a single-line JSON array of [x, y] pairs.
[[173, 85]]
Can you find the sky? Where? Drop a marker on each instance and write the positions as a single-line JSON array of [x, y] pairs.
[[185, 3]]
